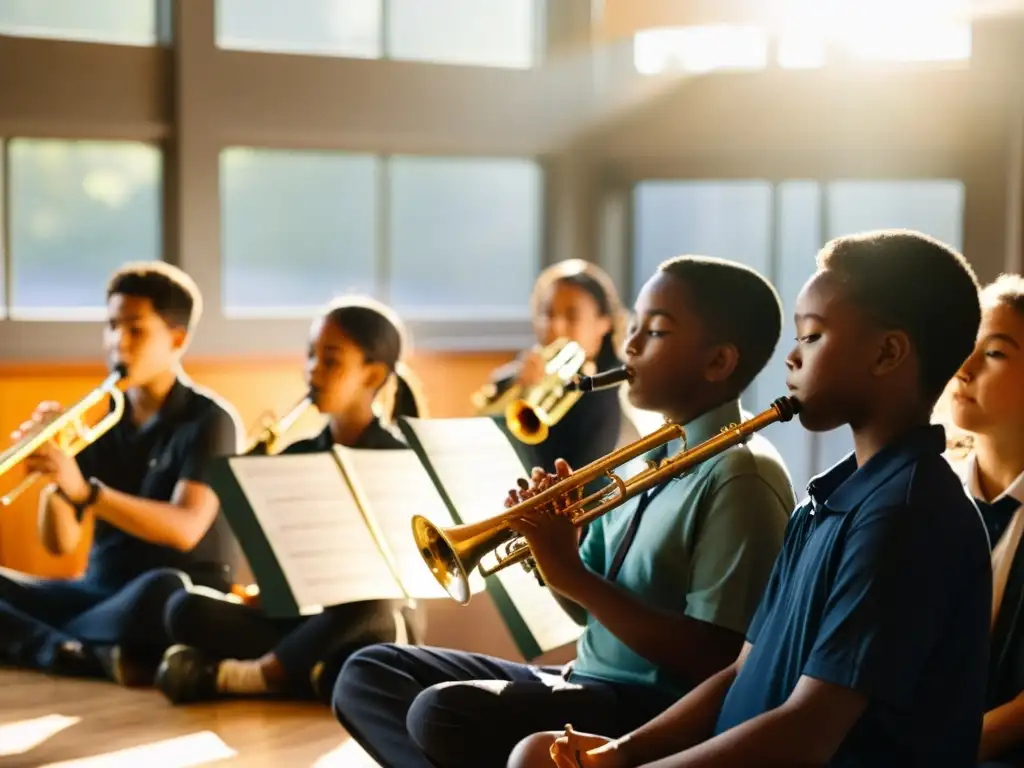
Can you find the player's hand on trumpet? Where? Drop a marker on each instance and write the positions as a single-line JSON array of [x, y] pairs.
[[44, 413], [585, 750], [553, 539], [49, 460]]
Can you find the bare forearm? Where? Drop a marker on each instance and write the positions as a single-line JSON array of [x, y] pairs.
[[692, 650], [1003, 729], [59, 528], [576, 611], [153, 521], [781, 738], [689, 721]]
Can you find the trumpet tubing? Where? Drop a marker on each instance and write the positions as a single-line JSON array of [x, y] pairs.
[[273, 430], [69, 429], [453, 553]]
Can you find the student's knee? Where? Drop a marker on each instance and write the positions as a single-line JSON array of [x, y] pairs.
[[183, 612], [361, 683], [448, 721], [534, 751]]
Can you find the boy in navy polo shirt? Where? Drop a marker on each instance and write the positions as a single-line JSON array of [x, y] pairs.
[[871, 643]]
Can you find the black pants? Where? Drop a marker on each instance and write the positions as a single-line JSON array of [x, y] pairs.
[[399, 703], [206, 620], [38, 615]]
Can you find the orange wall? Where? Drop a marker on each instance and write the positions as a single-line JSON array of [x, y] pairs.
[[253, 387]]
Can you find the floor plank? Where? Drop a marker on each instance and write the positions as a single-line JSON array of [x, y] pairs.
[[59, 723]]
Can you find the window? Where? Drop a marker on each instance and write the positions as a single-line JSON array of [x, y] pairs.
[[730, 219], [77, 211], [297, 229], [499, 33], [317, 27], [465, 236], [933, 206], [875, 30], [128, 22], [699, 49]]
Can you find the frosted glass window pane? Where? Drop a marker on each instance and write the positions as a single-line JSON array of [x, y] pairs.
[[729, 219], [933, 206], [498, 33], [465, 236], [298, 227], [78, 211], [128, 22], [350, 28]]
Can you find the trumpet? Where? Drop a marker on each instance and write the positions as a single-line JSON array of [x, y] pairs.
[[271, 430], [69, 429], [531, 412], [453, 553]]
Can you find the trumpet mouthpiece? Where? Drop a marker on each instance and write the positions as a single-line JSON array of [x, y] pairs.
[[600, 381]]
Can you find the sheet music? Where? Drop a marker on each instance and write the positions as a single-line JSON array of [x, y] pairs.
[[478, 466], [394, 486], [315, 528]]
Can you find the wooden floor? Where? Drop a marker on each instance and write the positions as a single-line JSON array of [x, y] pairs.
[[47, 722]]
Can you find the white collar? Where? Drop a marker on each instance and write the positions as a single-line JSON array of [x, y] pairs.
[[970, 476]]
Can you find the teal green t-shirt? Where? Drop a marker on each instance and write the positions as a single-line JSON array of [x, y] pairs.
[[705, 547]]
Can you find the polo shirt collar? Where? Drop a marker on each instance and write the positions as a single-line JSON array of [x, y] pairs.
[[1014, 491], [707, 425], [170, 410], [844, 487]]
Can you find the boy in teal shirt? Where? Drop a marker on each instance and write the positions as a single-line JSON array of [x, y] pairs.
[[666, 584]]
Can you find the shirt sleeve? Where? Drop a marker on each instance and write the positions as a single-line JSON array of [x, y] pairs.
[[217, 435], [881, 615], [742, 527]]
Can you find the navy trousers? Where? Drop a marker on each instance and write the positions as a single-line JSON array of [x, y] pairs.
[[409, 706], [206, 620], [38, 615]]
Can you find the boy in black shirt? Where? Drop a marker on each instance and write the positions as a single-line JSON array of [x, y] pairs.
[[157, 522]]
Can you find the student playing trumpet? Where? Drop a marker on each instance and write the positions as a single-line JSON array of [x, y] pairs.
[[144, 483], [577, 301], [230, 649], [665, 584]]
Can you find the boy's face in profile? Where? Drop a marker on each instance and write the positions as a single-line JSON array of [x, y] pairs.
[[988, 392], [668, 350], [830, 369], [139, 338]]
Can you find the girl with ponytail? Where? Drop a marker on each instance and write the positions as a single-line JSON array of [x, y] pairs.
[[225, 649]]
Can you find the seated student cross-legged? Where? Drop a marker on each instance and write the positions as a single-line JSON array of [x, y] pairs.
[[988, 402], [156, 520], [870, 645], [229, 649], [665, 585]]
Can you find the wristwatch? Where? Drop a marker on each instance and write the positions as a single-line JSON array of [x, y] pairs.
[[94, 491]]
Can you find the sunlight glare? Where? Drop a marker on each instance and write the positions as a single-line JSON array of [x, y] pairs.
[[19, 737], [181, 752]]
